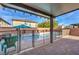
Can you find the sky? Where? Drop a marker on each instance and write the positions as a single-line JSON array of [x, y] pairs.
[[66, 19], [9, 14], [69, 18]]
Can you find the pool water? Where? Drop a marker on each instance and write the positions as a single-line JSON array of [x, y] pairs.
[[39, 36], [36, 36]]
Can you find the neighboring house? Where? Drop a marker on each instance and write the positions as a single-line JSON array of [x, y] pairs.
[[25, 22], [4, 23], [75, 25]]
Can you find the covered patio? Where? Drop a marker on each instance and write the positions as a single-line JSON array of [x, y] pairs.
[[62, 45]]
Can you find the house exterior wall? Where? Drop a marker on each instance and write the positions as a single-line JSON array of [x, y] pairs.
[[15, 23], [4, 24], [31, 24]]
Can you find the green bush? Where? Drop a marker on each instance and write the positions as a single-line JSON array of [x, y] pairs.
[[46, 24]]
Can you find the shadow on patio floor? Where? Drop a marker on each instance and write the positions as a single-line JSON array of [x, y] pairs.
[[60, 47]]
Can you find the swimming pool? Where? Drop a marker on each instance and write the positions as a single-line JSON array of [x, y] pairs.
[[39, 36], [36, 36], [26, 40]]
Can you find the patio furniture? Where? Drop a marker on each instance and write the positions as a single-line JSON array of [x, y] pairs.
[[1, 37], [9, 42]]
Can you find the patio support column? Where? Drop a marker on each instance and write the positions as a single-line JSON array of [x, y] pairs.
[[51, 29]]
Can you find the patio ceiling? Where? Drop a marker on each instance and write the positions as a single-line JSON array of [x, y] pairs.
[[54, 9]]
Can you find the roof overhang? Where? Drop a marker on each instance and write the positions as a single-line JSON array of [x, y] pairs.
[[28, 9], [45, 9], [56, 9]]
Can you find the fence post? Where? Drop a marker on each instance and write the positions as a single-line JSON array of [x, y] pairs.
[[19, 40], [43, 38], [55, 35], [33, 39]]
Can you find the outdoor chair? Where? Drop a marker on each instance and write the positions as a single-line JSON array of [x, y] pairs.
[[8, 43]]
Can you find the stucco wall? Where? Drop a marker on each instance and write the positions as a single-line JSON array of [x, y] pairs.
[[65, 32], [74, 31]]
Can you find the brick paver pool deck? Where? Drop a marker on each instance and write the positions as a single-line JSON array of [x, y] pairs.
[[59, 47]]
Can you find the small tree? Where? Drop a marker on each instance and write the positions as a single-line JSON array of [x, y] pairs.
[[46, 24], [55, 24]]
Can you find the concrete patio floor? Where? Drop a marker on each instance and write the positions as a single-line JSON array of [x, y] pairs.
[[59, 47]]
